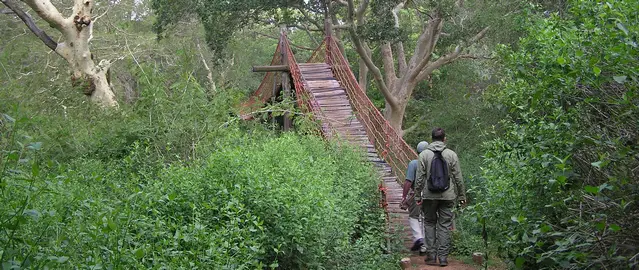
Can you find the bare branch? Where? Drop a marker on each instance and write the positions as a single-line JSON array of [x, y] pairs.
[[377, 74], [306, 28], [342, 26], [396, 10], [427, 68], [414, 126], [209, 75], [389, 63], [425, 46], [446, 59], [46, 39], [479, 36], [359, 14], [6, 11], [426, 40], [48, 12], [401, 58], [308, 18], [470, 56], [276, 38]]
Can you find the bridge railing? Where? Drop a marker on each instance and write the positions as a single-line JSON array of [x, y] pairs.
[[305, 99], [390, 146], [265, 91]]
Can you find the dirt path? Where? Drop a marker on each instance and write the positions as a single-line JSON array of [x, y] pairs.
[[417, 263]]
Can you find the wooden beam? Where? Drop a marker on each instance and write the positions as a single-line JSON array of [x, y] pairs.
[[282, 68], [286, 86]]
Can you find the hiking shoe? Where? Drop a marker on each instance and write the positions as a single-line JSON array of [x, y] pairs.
[[431, 259], [417, 245], [443, 261]]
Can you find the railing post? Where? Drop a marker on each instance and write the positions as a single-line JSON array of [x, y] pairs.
[[328, 28], [286, 85]]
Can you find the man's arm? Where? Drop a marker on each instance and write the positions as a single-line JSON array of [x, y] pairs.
[[407, 185], [420, 180], [459, 180]]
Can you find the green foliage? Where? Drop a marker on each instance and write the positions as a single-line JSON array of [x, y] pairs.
[[171, 179], [221, 19], [559, 184], [256, 202]]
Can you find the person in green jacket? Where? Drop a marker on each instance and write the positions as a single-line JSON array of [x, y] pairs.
[[437, 207]]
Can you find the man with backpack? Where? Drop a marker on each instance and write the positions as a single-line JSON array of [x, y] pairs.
[[408, 201], [438, 186]]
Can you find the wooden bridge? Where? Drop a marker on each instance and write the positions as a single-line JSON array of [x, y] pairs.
[[325, 86]]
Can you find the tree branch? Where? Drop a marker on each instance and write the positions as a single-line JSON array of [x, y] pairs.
[[470, 56], [424, 40], [359, 14], [377, 74], [276, 38], [46, 39], [427, 68], [446, 59], [6, 11], [48, 12], [342, 26], [396, 10], [425, 46], [389, 63], [308, 18], [305, 28], [414, 126], [401, 58]]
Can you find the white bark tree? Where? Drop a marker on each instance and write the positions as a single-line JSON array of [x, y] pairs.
[[401, 75], [76, 31]]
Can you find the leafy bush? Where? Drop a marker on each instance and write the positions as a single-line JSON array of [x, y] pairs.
[[256, 202], [559, 187]]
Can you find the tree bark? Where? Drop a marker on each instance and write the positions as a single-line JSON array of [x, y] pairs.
[[77, 31], [363, 76]]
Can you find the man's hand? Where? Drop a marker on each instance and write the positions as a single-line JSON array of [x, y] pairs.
[[419, 202], [462, 203], [403, 205]]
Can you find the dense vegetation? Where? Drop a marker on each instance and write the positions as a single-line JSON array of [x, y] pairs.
[[545, 124], [559, 184]]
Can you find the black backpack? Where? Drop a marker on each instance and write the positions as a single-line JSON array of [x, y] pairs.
[[438, 181]]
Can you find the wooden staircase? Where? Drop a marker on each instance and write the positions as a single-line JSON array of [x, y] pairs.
[[338, 115]]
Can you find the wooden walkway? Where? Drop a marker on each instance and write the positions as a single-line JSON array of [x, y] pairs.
[[339, 115]]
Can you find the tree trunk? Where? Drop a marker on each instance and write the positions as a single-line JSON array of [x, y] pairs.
[[363, 75], [77, 31], [77, 34], [402, 90], [395, 116]]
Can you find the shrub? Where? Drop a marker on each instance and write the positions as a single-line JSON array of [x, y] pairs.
[[256, 202], [558, 185]]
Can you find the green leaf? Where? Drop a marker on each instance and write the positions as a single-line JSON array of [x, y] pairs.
[[8, 118], [34, 214], [596, 70], [600, 226], [62, 259], [111, 225], [561, 60], [596, 164], [34, 146], [614, 227], [35, 170], [519, 262], [619, 79], [138, 253], [591, 189], [622, 28]]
